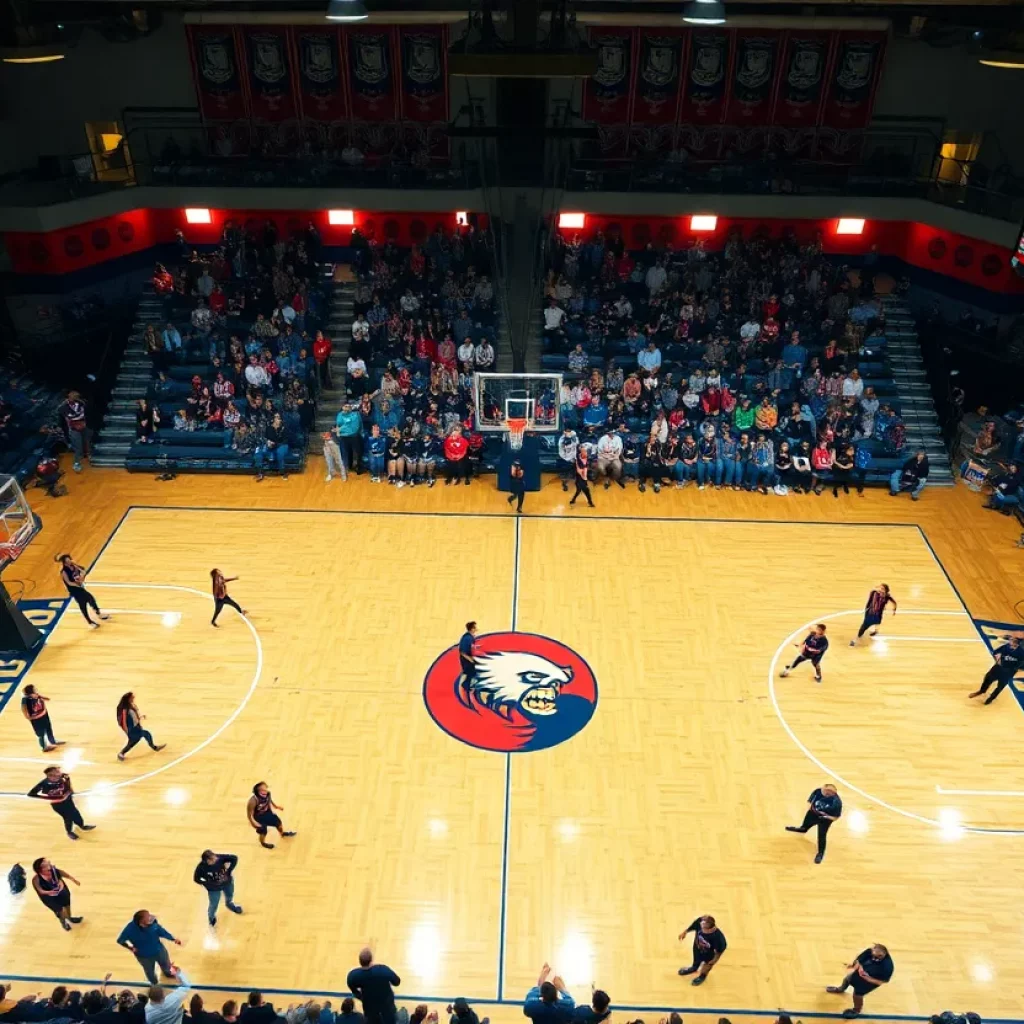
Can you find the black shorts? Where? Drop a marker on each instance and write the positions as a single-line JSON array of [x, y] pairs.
[[468, 673], [59, 902], [265, 821], [814, 659]]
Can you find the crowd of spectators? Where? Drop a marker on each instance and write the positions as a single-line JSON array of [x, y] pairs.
[[424, 322], [242, 350], [755, 368]]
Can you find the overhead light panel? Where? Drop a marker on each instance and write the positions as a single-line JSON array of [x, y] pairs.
[[347, 10], [31, 55], [571, 220], [1014, 62], [850, 226], [703, 222], [704, 12], [197, 215], [342, 217], [462, 218]]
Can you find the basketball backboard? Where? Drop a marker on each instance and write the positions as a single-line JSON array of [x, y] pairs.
[[533, 396]]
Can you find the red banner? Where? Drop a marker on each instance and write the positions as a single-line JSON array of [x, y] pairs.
[[704, 91], [322, 96], [217, 71], [753, 77], [854, 75], [370, 52], [269, 73], [424, 72], [802, 75], [608, 90], [659, 65]]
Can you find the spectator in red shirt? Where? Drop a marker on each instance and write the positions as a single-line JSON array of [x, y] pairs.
[[163, 282], [218, 301], [322, 349], [456, 451]]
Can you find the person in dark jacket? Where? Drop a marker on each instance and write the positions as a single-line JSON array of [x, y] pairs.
[[258, 1011], [912, 477], [373, 985], [215, 873], [549, 1002]]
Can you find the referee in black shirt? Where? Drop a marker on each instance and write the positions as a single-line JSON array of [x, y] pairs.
[[708, 946], [823, 807], [1009, 659]]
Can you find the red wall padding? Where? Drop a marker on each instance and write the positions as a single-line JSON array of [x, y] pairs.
[[969, 260]]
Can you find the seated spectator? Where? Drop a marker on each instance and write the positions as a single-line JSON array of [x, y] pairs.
[[466, 352], [483, 355], [147, 419], [598, 1010], [609, 459], [912, 477], [579, 360], [554, 319], [257, 1011], [349, 1014], [649, 359]]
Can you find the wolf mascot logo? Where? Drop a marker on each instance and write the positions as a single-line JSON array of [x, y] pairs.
[[528, 692]]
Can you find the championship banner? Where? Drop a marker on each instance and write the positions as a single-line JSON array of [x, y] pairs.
[[753, 77], [851, 89], [215, 68], [321, 86], [268, 66], [658, 74], [424, 73], [371, 75], [802, 74], [704, 87], [607, 95]]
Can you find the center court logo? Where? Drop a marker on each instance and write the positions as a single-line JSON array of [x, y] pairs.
[[529, 693]]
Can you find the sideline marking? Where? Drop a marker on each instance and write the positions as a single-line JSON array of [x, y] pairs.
[[216, 733], [978, 792], [835, 775]]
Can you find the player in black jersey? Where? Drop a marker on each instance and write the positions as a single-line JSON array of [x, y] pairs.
[[1009, 659], [57, 790], [260, 810], [823, 807], [33, 707], [430, 451], [73, 577], [516, 485], [874, 609], [582, 476], [48, 882], [812, 649]]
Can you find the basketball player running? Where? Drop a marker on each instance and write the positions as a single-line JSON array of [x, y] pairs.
[[48, 882], [812, 649], [582, 476], [467, 654], [1009, 659], [220, 594], [260, 811], [874, 610], [73, 576], [33, 707], [823, 807], [130, 721], [57, 790], [708, 946], [517, 485]]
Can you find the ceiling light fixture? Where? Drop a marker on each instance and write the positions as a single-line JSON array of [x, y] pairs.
[[1016, 65], [347, 10], [704, 12]]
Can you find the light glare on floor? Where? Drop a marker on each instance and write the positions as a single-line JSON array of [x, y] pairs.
[[176, 796], [949, 822], [424, 951], [575, 962], [71, 758], [880, 646], [171, 619], [981, 972], [568, 830], [438, 827], [857, 821], [100, 801]]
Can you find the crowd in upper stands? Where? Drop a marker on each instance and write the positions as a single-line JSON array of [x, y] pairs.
[[424, 322], [242, 350], [760, 367]]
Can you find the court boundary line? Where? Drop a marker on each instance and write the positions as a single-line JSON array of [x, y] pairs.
[[402, 999], [805, 750]]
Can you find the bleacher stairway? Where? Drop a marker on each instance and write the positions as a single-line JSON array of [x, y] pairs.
[[339, 330], [916, 403], [115, 438]]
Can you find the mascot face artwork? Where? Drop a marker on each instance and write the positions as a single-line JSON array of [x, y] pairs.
[[528, 692]]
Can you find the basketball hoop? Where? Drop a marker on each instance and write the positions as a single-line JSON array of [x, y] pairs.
[[10, 553], [516, 426]]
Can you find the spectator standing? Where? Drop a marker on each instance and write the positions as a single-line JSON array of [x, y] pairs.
[[322, 349], [141, 937], [165, 1007], [332, 456], [568, 444], [871, 969], [456, 450], [373, 985], [73, 414]]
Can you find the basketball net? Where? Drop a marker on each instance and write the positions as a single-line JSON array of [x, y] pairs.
[[516, 431]]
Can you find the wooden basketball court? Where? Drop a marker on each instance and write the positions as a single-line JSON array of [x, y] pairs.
[[467, 868]]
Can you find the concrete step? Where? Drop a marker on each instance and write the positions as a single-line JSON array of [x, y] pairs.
[[107, 461]]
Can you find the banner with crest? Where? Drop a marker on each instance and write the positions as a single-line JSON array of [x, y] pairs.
[[753, 77], [658, 73], [802, 77], [608, 90], [851, 87], [371, 72], [269, 73], [424, 77], [321, 84], [215, 65], [704, 90]]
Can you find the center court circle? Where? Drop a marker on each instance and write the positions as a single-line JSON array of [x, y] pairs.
[[530, 692]]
